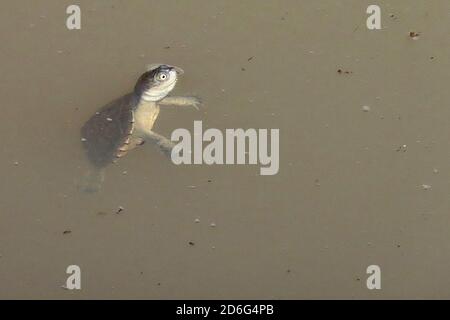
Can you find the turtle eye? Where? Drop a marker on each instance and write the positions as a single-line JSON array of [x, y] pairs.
[[162, 76]]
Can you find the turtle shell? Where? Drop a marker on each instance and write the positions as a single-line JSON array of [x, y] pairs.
[[107, 135]]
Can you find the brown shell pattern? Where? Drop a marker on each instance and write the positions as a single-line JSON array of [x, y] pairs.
[[107, 135]]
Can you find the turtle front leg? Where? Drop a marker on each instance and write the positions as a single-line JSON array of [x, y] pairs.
[[164, 144], [181, 102]]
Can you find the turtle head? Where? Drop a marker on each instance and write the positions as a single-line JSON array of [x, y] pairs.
[[157, 82]]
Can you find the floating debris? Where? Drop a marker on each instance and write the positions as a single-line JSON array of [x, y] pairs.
[[366, 108], [401, 148], [83, 139], [213, 225], [414, 35], [435, 170], [426, 187], [120, 209], [16, 163], [393, 16], [109, 119], [197, 220], [250, 59], [191, 243], [341, 71], [67, 231]]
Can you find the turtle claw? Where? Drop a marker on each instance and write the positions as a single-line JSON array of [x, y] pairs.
[[195, 102]]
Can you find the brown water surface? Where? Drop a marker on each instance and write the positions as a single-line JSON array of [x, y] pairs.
[[349, 192]]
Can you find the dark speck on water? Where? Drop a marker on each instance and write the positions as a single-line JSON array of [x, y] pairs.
[[340, 71], [414, 35], [120, 210]]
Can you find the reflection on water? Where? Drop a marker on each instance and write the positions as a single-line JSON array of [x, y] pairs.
[[363, 122]]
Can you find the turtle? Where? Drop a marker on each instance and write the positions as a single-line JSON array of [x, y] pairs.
[[127, 122]]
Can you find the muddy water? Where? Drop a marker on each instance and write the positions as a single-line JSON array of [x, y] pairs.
[[349, 193]]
